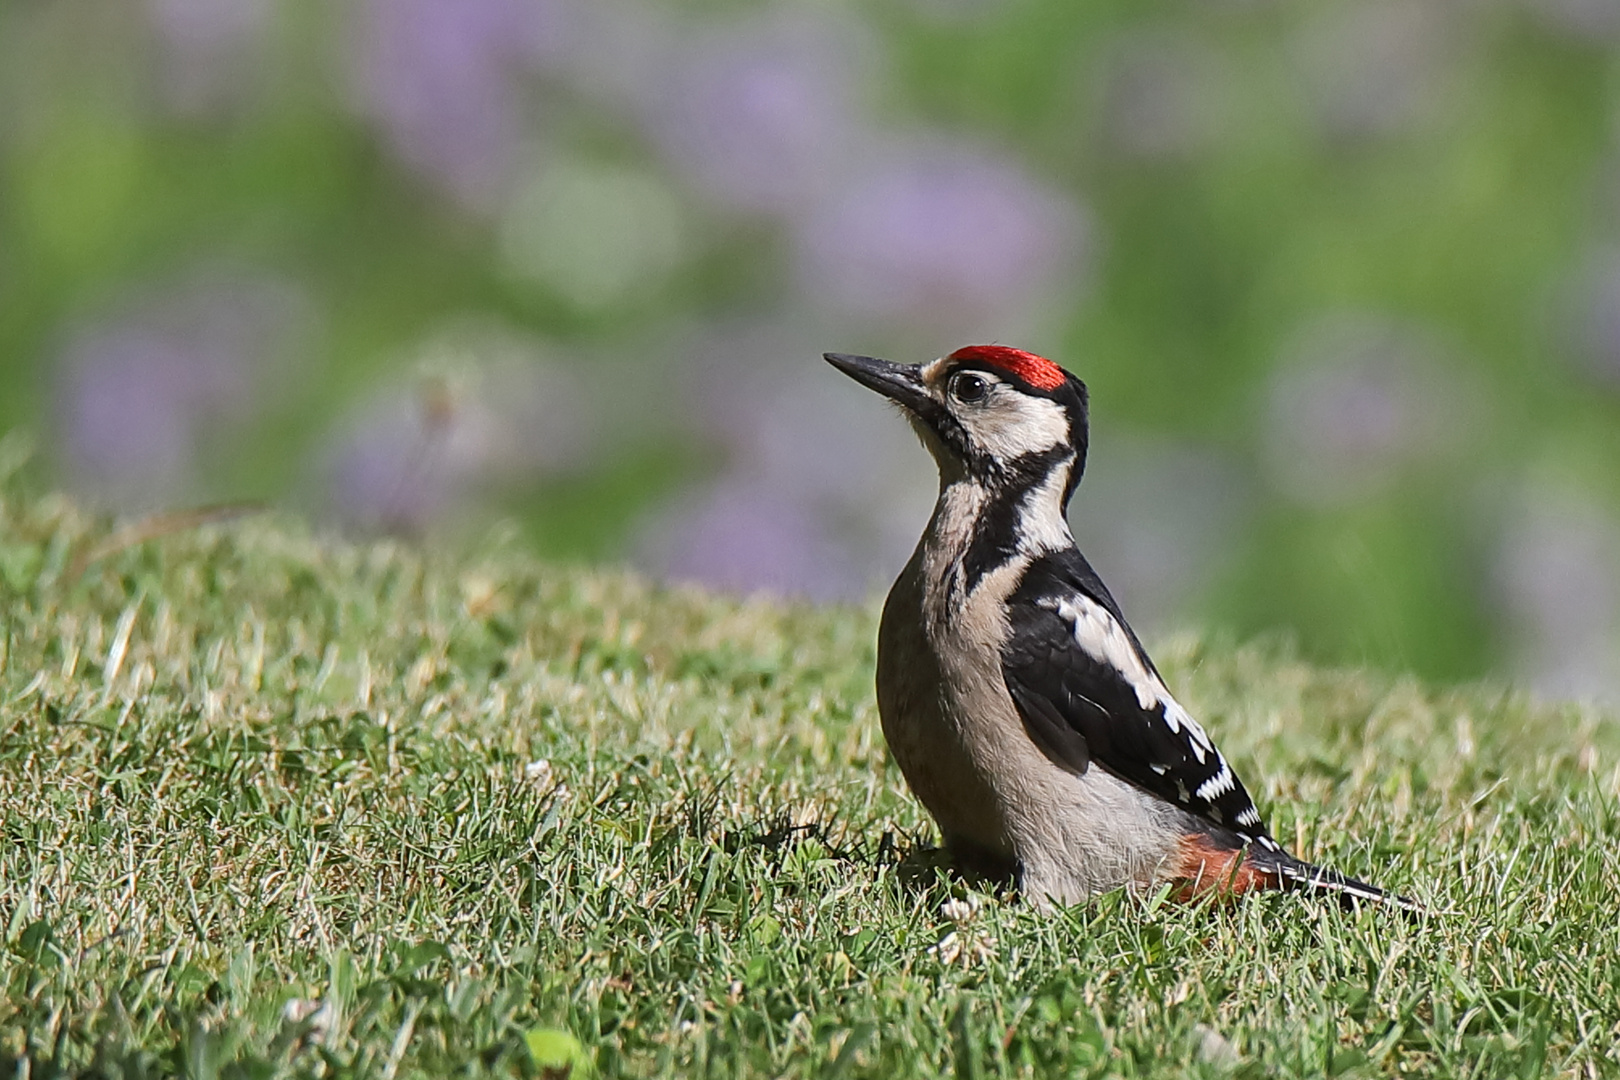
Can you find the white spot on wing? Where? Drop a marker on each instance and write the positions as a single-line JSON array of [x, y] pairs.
[[1178, 718], [1217, 785]]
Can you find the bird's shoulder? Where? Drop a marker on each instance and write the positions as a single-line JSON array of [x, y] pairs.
[[1089, 694]]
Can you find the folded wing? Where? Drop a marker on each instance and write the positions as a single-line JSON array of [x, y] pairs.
[[1089, 695]]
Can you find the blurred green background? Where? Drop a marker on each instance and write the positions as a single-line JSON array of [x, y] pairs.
[[1344, 278]]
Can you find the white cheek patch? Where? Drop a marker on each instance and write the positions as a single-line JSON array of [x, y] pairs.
[[1012, 424]]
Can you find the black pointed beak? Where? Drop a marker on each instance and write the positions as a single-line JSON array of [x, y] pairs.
[[901, 383]]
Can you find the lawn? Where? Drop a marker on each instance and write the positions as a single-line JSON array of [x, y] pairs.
[[280, 805]]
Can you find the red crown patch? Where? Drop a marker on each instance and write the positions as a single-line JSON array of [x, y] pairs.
[[1037, 371]]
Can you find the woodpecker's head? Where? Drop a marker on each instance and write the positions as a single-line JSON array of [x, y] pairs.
[[996, 415]]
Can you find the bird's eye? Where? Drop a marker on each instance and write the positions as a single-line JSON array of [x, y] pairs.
[[969, 388]]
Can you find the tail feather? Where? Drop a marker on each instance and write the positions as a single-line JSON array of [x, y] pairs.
[[1302, 876], [1210, 862]]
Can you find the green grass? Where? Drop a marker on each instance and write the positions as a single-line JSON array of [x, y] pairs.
[[273, 806]]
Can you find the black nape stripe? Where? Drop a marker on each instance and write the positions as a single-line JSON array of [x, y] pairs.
[[1027, 470], [995, 540], [995, 536]]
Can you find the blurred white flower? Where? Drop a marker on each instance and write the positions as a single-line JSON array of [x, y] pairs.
[[1214, 1048], [485, 409], [596, 235], [965, 947], [297, 1010]]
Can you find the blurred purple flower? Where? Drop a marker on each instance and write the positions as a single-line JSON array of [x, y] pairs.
[[760, 114], [209, 47], [407, 458], [140, 392], [814, 438], [945, 236], [418, 453], [824, 492], [743, 536], [440, 78], [1356, 401], [1377, 67], [1557, 574]]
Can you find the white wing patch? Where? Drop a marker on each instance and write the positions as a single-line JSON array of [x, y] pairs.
[[1105, 641]]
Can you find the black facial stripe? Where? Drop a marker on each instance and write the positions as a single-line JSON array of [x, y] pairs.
[[995, 541], [1026, 470], [995, 537], [955, 437]]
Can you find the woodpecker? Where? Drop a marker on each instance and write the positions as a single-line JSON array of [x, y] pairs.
[[1022, 710]]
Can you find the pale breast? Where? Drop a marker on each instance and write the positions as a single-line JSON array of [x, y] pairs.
[[929, 729], [958, 737]]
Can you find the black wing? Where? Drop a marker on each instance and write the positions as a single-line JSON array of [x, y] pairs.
[[1088, 693]]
